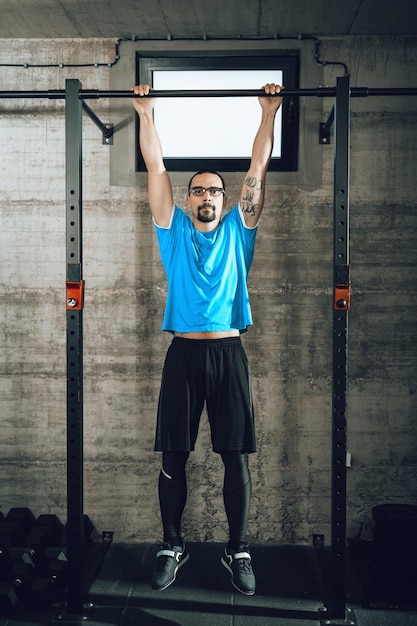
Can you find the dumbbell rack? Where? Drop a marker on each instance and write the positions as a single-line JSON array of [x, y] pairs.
[[33, 558]]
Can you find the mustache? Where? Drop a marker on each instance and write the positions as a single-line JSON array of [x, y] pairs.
[[206, 205]]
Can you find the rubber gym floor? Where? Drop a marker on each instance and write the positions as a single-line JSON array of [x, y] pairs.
[[291, 590]]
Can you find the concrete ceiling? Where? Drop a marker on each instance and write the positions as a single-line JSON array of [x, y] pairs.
[[195, 19]]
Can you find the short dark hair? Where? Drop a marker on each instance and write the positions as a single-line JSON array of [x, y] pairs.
[[206, 172]]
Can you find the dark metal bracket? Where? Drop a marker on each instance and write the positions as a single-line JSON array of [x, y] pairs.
[[348, 620], [107, 130], [325, 128]]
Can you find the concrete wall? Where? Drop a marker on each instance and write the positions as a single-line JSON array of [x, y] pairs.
[[289, 346]]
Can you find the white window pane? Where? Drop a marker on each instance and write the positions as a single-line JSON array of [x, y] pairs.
[[211, 127]]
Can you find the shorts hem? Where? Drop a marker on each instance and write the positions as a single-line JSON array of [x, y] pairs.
[[241, 449]]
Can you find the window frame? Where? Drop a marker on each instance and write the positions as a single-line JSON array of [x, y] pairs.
[[286, 61]]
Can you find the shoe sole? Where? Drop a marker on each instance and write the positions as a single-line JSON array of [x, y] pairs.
[[173, 579], [229, 569]]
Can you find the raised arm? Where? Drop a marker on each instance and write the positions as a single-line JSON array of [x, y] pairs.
[[159, 185], [253, 188]]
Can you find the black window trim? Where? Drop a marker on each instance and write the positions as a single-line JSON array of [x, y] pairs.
[[287, 61]]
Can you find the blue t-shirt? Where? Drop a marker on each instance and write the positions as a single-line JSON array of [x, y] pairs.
[[207, 273]]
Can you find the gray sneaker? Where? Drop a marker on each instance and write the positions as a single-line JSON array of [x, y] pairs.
[[238, 563], [168, 560]]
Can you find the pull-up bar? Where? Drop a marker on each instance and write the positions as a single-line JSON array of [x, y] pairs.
[[107, 130], [319, 92]]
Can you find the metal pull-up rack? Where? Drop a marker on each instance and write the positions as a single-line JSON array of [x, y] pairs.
[[335, 611]]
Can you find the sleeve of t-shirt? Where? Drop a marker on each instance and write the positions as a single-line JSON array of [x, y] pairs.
[[248, 235], [167, 237]]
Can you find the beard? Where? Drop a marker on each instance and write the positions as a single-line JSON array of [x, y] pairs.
[[206, 212]]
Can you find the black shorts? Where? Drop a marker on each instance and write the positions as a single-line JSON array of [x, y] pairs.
[[214, 371]]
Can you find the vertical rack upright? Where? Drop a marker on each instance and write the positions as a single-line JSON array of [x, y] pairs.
[[74, 311], [341, 305]]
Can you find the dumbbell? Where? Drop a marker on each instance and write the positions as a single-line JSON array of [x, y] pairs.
[[51, 571], [54, 526], [12, 533], [9, 598], [41, 593], [23, 516], [54, 566], [16, 574]]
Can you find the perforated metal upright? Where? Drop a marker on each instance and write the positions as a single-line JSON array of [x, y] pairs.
[[341, 284], [74, 306]]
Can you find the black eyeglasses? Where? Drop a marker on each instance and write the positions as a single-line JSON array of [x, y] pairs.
[[213, 191]]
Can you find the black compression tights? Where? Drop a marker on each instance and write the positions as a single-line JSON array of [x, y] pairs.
[[237, 490], [173, 494]]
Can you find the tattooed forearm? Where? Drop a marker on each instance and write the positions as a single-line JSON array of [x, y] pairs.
[[254, 183], [252, 187], [249, 207]]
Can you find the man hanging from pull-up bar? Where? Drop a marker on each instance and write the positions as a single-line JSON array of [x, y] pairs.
[[207, 260]]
